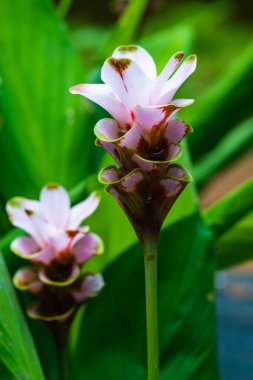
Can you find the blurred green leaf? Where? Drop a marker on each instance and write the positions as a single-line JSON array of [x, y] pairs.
[[224, 105], [4, 373], [231, 220], [42, 134], [233, 143], [201, 16], [126, 28], [236, 246], [164, 43], [221, 216], [7, 239], [46, 348], [112, 340], [17, 350], [88, 39]]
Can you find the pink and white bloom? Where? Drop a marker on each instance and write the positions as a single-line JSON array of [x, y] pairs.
[[57, 242], [143, 137]]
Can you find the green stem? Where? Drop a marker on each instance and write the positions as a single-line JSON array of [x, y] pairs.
[[150, 260], [61, 333], [63, 361]]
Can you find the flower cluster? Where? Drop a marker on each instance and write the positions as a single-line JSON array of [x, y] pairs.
[[57, 247], [143, 137]]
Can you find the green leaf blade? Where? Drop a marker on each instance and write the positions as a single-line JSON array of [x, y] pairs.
[[225, 213], [17, 350]]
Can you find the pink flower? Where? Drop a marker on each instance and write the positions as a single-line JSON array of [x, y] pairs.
[[57, 243], [143, 138]]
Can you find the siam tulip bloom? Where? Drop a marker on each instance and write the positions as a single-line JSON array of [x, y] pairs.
[[142, 137], [58, 247]]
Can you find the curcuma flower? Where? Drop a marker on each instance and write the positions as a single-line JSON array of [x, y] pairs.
[[57, 248], [143, 137]]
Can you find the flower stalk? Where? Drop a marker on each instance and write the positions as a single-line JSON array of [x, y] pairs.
[[61, 334], [150, 249]]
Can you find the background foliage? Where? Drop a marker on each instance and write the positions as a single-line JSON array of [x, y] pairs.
[[47, 135]]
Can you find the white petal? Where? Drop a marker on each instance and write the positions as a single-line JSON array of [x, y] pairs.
[[102, 95], [55, 205], [91, 285], [128, 81], [24, 246], [87, 247], [82, 210], [165, 74], [149, 117], [180, 76], [133, 137], [60, 241], [28, 220], [176, 130], [140, 56], [64, 240], [32, 205], [182, 102], [45, 256], [26, 279], [78, 234], [108, 130]]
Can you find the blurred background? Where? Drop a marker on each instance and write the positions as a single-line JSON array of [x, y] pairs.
[[46, 49]]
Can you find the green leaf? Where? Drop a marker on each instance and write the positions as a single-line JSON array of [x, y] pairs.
[[235, 142], [236, 246], [88, 39], [46, 347], [42, 137], [221, 216], [164, 43], [203, 17], [112, 340], [17, 350], [125, 30], [223, 105], [231, 220]]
